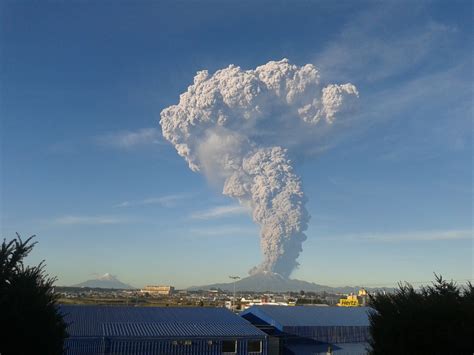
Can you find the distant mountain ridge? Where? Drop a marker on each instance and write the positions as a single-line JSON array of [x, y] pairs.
[[105, 281], [273, 282]]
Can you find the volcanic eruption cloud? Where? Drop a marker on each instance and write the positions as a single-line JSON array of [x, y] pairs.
[[240, 128]]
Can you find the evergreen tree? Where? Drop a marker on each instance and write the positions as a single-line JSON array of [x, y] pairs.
[[30, 321], [437, 319]]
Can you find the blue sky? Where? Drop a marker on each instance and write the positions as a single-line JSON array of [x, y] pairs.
[[84, 166]]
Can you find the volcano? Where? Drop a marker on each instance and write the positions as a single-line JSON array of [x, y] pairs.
[[267, 281], [271, 282], [105, 281]]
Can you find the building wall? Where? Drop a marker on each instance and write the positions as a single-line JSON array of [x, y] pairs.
[[158, 290], [331, 334], [83, 345], [300, 348], [274, 346], [130, 346]]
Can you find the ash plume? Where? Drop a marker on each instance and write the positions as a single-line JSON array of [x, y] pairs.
[[239, 127]]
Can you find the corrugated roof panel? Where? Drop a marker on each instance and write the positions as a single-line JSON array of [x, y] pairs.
[[173, 329], [311, 316], [155, 322]]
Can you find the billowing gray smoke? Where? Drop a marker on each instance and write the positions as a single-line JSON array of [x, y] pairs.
[[239, 127]]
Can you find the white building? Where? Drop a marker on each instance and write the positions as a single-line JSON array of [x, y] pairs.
[[158, 290]]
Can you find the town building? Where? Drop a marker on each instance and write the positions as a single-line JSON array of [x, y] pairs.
[[359, 300], [158, 290], [121, 330]]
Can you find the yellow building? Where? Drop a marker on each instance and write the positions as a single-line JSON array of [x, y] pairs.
[[354, 300], [350, 301]]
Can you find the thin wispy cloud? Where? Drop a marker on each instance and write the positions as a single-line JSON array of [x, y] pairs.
[[87, 220], [361, 45], [449, 129], [165, 201], [413, 236], [130, 139], [372, 58], [223, 231], [220, 212]]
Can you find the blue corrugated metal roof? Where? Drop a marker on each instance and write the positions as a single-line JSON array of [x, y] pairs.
[[98, 321], [304, 316], [170, 329]]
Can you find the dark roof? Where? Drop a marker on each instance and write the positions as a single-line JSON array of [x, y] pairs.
[[304, 316], [119, 321]]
